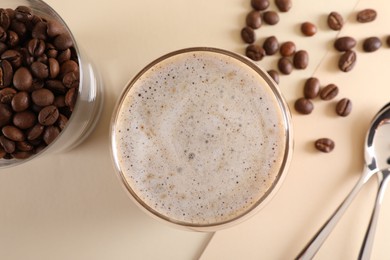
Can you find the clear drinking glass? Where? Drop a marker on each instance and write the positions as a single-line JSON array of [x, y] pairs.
[[180, 196], [89, 102]]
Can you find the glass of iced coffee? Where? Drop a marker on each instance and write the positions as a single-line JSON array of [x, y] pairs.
[[201, 138]]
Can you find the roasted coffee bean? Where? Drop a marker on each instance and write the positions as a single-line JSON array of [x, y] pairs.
[[62, 121], [43, 58], [335, 21], [260, 5], [283, 5], [23, 13], [19, 28], [20, 101], [287, 49], [71, 80], [36, 47], [23, 79], [311, 88], [37, 84], [248, 34], [54, 28], [35, 132], [285, 65], [253, 51], [303, 106], [345, 43], [253, 20], [371, 44], [50, 134], [13, 133], [325, 145], [271, 45], [274, 75], [6, 95], [5, 20], [48, 115], [329, 92], [63, 41], [68, 66], [51, 51], [40, 31], [270, 17], [5, 114], [24, 146], [8, 145], [12, 56], [301, 59], [344, 107], [42, 97], [308, 28], [71, 98], [6, 73], [64, 56], [366, 15], [2, 152], [13, 39], [3, 47], [347, 61], [25, 119], [39, 70]]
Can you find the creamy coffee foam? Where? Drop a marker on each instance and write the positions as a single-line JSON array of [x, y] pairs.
[[199, 138]]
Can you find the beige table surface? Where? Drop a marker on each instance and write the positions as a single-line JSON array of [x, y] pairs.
[[72, 206]]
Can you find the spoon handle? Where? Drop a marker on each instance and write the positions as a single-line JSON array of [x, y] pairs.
[[365, 250], [319, 238]]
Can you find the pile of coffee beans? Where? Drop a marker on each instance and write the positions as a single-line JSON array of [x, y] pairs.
[[291, 58], [39, 81]]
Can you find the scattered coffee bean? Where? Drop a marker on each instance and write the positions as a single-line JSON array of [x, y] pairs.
[[271, 45], [6, 95], [308, 29], [274, 75], [335, 21], [301, 59], [24, 146], [24, 120], [347, 61], [255, 52], [42, 97], [6, 73], [344, 107], [23, 79], [329, 92], [270, 17], [366, 15], [311, 88], [63, 41], [35, 132], [371, 44], [303, 106], [287, 49], [70, 98], [345, 43], [5, 114], [253, 19], [248, 34], [283, 5], [285, 65], [325, 145], [260, 5]]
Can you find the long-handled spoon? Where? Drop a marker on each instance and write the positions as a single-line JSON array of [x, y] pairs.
[[369, 170], [383, 178]]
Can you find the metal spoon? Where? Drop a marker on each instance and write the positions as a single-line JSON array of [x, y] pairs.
[[369, 170], [383, 178]]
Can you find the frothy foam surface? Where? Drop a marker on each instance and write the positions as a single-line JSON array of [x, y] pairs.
[[200, 138]]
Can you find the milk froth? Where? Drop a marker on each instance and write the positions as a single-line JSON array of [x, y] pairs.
[[199, 138]]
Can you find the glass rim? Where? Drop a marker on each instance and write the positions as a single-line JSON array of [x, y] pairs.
[[287, 154]]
